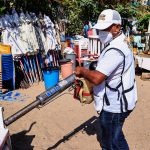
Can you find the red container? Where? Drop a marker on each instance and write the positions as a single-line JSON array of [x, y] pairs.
[[66, 69], [76, 50], [90, 32]]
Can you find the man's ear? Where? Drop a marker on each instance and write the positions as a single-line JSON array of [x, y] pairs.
[[118, 27]]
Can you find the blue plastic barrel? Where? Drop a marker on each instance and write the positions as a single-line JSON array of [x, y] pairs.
[[8, 68], [51, 76]]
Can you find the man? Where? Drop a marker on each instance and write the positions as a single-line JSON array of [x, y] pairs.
[[86, 29], [115, 89]]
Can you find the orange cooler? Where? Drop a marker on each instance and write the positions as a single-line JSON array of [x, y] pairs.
[[5, 49]]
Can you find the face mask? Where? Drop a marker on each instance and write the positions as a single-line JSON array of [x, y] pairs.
[[105, 36]]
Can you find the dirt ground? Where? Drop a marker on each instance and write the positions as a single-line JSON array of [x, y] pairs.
[[65, 124]]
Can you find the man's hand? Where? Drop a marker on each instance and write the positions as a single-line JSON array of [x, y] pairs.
[[79, 71], [92, 76]]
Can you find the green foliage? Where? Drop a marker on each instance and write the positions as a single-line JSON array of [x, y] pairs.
[[143, 22], [127, 11], [2, 9], [77, 12], [90, 9], [71, 11]]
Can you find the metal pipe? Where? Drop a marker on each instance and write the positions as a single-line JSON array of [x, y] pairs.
[[42, 98], [21, 113]]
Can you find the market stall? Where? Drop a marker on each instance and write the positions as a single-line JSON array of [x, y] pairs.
[[33, 40]]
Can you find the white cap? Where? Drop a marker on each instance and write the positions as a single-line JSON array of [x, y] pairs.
[[107, 18]]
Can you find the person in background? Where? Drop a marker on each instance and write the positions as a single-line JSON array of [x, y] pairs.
[[115, 92], [86, 29]]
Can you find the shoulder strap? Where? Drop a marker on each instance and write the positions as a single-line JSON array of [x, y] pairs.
[[118, 50]]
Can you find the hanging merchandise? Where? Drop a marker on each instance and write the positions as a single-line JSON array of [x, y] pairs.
[[24, 70], [57, 29], [31, 35], [29, 39], [27, 33], [50, 33], [41, 40], [28, 70], [38, 67], [15, 18], [10, 35]]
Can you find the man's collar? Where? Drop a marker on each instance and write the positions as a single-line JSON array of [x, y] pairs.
[[116, 38]]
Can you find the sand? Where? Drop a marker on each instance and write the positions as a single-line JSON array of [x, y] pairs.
[[65, 124]]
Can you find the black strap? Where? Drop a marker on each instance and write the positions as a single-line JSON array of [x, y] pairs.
[[105, 98], [121, 104], [128, 90], [124, 96], [125, 101], [114, 89]]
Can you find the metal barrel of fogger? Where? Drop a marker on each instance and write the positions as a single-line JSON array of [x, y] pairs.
[[42, 99]]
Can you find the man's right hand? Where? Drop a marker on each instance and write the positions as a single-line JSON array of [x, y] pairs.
[[78, 71]]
